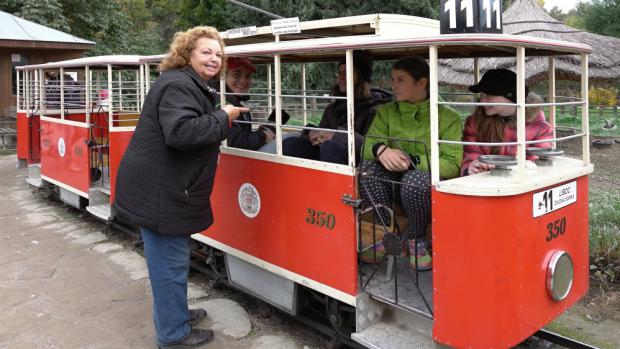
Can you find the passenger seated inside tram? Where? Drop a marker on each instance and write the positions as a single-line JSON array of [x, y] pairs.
[[331, 146], [496, 124], [387, 158], [71, 91], [238, 82], [52, 90]]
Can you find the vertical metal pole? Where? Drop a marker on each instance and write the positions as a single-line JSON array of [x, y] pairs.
[[148, 79], [110, 95], [120, 90], [17, 98], [476, 70], [269, 103], [304, 106], [141, 89], [521, 111], [41, 87], [278, 100], [350, 107], [62, 93], [585, 111], [551, 94], [27, 90], [87, 97], [223, 99], [434, 122]]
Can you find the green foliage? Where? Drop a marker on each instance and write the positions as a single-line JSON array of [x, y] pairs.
[[46, 12], [601, 17], [147, 26], [605, 237], [597, 16], [598, 118]]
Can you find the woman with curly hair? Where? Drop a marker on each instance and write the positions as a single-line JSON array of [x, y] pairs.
[[166, 176]]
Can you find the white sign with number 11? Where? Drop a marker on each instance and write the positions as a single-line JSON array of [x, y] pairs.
[[553, 199]]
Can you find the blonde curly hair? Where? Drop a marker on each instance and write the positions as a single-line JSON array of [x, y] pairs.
[[183, 44]]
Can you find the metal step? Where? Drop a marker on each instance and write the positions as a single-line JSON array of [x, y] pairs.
[[34, 176], [392, 328], [99, 203], [103, 211]]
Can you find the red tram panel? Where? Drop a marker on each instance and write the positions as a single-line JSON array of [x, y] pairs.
[[64, 155], [496, 254], [22, 136], [119, 141], [281, 233], [28, 138]]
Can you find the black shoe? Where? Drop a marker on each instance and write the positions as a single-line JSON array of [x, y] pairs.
[[194, 339], [196, 316]]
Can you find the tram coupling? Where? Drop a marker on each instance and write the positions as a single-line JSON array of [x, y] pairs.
[[348, 200]]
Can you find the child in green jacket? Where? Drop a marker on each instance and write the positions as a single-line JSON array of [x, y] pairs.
[[387, 159]]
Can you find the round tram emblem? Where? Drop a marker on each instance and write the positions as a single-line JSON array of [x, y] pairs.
[[249, 200], [61, 147]]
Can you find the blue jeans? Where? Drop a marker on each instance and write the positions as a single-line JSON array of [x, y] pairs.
[[271, 146], [167, 259]]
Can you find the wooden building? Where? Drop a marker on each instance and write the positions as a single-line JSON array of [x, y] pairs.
[[24, 42]]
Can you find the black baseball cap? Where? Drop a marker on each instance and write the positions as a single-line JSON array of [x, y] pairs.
[[498, 82]]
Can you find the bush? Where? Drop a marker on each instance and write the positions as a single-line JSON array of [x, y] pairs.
[[605, 238], [602, 96]]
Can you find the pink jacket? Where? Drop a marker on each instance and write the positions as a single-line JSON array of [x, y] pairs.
[[536, 129]]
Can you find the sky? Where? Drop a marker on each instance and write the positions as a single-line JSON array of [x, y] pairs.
[[564, 5]]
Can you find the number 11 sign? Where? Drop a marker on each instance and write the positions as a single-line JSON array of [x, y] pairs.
[[470, 16]]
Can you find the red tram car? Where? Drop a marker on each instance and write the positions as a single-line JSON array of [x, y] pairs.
[[291, 231]]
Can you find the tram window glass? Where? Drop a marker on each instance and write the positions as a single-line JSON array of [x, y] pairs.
[[16, 61]]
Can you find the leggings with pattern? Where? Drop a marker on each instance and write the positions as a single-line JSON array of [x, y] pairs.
[[413, 192]]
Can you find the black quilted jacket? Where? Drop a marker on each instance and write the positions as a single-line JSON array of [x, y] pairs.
[[165, 178]]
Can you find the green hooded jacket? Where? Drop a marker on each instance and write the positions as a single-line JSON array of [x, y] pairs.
[[412, 121]]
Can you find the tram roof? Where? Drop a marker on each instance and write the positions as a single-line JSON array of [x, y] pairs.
[[394, 47], [152, 59], [376, 23], [115, 60]]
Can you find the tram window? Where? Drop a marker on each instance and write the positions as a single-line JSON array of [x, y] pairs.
[[16, 61]]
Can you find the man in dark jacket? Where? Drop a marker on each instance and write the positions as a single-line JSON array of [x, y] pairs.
[[165, 178], [332, 146]]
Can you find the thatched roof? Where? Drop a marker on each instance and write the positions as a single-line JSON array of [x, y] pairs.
[[526, 17]]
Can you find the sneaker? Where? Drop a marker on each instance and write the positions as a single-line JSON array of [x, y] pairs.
[[196, 316], [194, 339], [373, 254], [421, 260]]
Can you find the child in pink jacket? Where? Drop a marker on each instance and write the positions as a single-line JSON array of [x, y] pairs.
[[496, 124]]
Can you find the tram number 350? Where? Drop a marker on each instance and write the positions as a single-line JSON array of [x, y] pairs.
[[470, 16], [556, 228], [320, 218]]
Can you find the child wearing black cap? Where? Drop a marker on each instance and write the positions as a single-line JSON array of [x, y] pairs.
[[496, 124]]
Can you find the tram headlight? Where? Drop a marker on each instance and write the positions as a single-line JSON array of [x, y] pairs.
[[560, 273]]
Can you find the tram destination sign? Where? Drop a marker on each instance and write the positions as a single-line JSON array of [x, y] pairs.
[[553, 199], [285, 26], [470, 16], [241, 32]]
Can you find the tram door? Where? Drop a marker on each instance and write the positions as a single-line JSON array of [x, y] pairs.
[[34, 138]]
